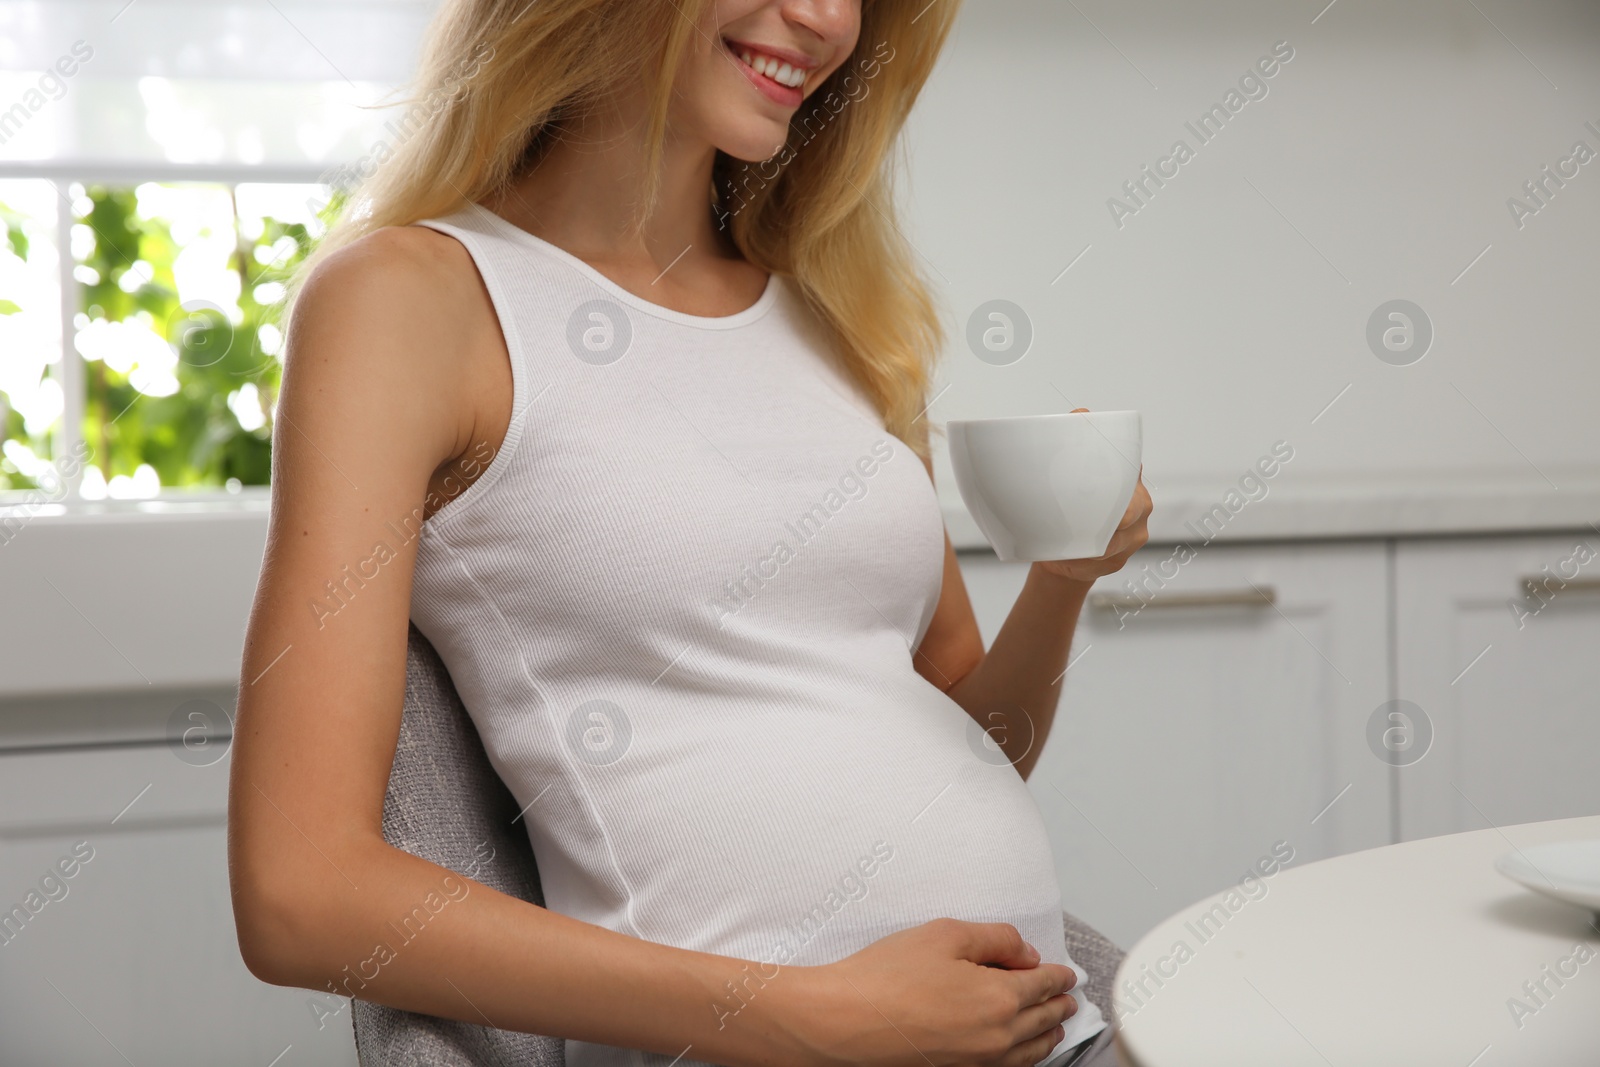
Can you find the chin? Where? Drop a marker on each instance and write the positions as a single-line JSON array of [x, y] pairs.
[[752, 155], [755, 141]]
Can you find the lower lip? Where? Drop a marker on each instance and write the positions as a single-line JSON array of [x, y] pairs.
[[778, 94]]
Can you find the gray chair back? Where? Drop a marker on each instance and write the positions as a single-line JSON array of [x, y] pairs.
[[446, 804]]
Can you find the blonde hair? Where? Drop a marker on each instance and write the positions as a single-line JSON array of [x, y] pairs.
[[499, 76]]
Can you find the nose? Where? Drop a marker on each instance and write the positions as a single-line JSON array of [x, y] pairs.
[[833, 21]]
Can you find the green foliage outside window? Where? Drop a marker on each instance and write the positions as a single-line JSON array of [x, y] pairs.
[[190, 437], [213, 427], [12, 424]]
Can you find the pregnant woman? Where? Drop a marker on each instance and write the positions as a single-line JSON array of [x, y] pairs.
[[612, 379]]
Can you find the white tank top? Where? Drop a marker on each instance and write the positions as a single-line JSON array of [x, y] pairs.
[[679, 606]]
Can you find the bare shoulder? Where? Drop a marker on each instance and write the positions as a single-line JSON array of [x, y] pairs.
[[397, 324], [397, 276]]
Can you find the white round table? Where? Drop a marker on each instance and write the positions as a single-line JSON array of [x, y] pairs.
[[1409, 955]]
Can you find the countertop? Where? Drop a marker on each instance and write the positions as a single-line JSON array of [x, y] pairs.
[[1407, 504], [1314, 508]]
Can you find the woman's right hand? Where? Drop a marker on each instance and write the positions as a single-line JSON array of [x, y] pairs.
[[946, 993]]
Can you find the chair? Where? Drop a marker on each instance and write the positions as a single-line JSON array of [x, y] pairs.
[[443, 800]]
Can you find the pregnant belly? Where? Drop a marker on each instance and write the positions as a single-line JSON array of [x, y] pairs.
[[803, 835], [801, 838]]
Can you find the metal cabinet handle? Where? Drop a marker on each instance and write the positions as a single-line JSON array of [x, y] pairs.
[[1533, 584], [1261, 596]]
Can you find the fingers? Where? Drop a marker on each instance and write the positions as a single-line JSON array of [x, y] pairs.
[[1124, 543], [1041, 1018], [1040, 1028], [1133, 532], [1031, 1051], [1042, 982], [1141, 497], [997, 943], [1139, 506]]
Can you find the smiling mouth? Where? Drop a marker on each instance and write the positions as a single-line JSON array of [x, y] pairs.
[[772, 68]]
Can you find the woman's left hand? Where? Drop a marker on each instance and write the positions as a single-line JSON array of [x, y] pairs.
[[1131, 535]]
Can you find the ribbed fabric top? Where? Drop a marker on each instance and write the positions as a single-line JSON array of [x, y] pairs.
[[680, 605]]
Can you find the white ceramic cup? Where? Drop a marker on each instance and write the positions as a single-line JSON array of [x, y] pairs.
[[1048, 486]]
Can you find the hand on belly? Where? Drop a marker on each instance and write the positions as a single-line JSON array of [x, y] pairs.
[[946, 992]]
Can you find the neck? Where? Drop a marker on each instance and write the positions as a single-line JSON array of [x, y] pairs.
[[583, 194]]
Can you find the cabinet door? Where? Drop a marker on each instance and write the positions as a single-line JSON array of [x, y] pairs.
[[133, 957], [1193, 737], [1508, 678]]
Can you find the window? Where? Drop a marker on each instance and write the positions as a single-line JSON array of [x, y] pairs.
[[169, 297], [161, 175]]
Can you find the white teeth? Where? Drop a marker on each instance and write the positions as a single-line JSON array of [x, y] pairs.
[[780, 72]]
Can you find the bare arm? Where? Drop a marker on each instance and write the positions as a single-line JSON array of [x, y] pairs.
[[395, 372], [1013, 690]]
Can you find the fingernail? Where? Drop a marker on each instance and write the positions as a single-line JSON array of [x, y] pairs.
[[1033, 952]]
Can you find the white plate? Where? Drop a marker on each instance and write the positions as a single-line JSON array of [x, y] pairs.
[[1565, 870]]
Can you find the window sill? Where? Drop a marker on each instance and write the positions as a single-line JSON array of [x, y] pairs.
[[149, 595], [25, 507]]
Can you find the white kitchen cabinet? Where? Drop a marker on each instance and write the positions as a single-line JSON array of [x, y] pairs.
[[1193, 737], [1508, 679], [128, 600], [136, 962]]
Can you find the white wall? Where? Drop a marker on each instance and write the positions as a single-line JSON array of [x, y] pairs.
[[1387, 148]]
